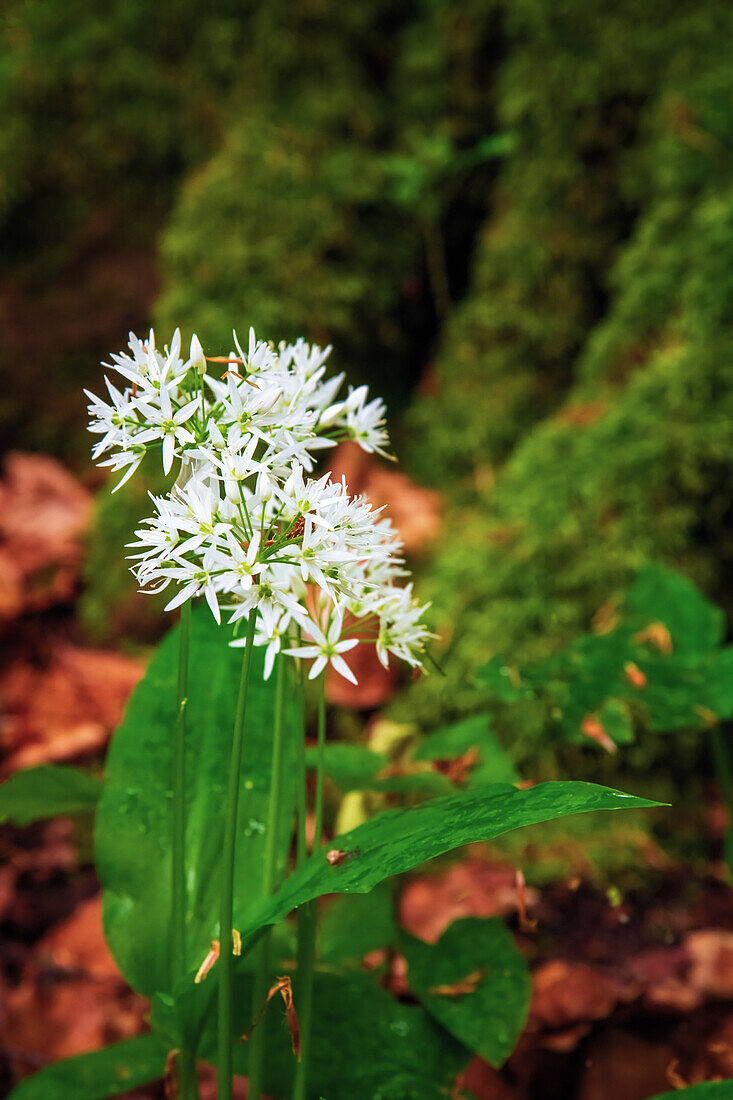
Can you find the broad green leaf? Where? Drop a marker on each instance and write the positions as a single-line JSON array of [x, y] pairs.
[[489, 1017], [687, 692], [47, 791], [660, 595], [364, 1042], [710, 1090], [367, 1044], [356, 924], [102, 1073], [493, 765], [661, 658], [134, 816], [398, 840]]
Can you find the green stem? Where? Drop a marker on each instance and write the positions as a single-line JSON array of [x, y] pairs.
[[257, 1043], [226, 968], [178, 848], [301, 793], [186, 1061], [308, 919]]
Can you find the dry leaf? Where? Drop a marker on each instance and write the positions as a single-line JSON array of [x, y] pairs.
[[284, 987], [44, 512], [471, 888], [65, 710], [71, 998], [459, 988]]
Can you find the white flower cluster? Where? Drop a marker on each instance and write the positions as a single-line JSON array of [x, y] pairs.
[[245, 525]]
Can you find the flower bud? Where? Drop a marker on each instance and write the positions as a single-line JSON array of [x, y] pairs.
[[197, 359], [231, 490], [265, 487]]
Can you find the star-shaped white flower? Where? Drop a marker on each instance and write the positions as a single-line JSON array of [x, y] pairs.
[[327, 650]]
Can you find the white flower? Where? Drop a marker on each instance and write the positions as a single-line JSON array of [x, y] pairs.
[[364, 421], [245, 524], [197, 581], [163, 422], [327, 649], [236, 563], [272, 626]]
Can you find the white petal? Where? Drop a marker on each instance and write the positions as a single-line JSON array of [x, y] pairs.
[[303, 651], [186, 411], [168, 444], [128, 475], [334, 630], [210, 595], [318, 666], [184, 594], [339, 664]]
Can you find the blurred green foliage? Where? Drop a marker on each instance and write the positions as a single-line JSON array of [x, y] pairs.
[[105, 105], [525, 205], [654, 662], [632, 455], [352, 133]]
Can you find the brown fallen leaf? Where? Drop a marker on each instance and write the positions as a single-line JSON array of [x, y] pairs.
[[711, 954], [44, 512], [582, 416], [208, 1084], [170, 1077], [71, 998], [471, 888], [634, 675], [484, 1083], [674, 1077], [592, 728], [525, 924], [66, 709], [656, 634], [718, 1058], [663, 972], [566, 994], [619, 1064], [457, 769]]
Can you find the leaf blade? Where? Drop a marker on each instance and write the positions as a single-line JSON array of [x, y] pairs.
[[133, 827], [50, 790], [398, 840], [108, 1072], [489, 1019]]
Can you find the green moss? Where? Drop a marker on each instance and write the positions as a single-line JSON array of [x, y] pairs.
[[637, 463]]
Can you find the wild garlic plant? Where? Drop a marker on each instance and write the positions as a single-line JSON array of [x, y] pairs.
[[303, 568], [302, 572]]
